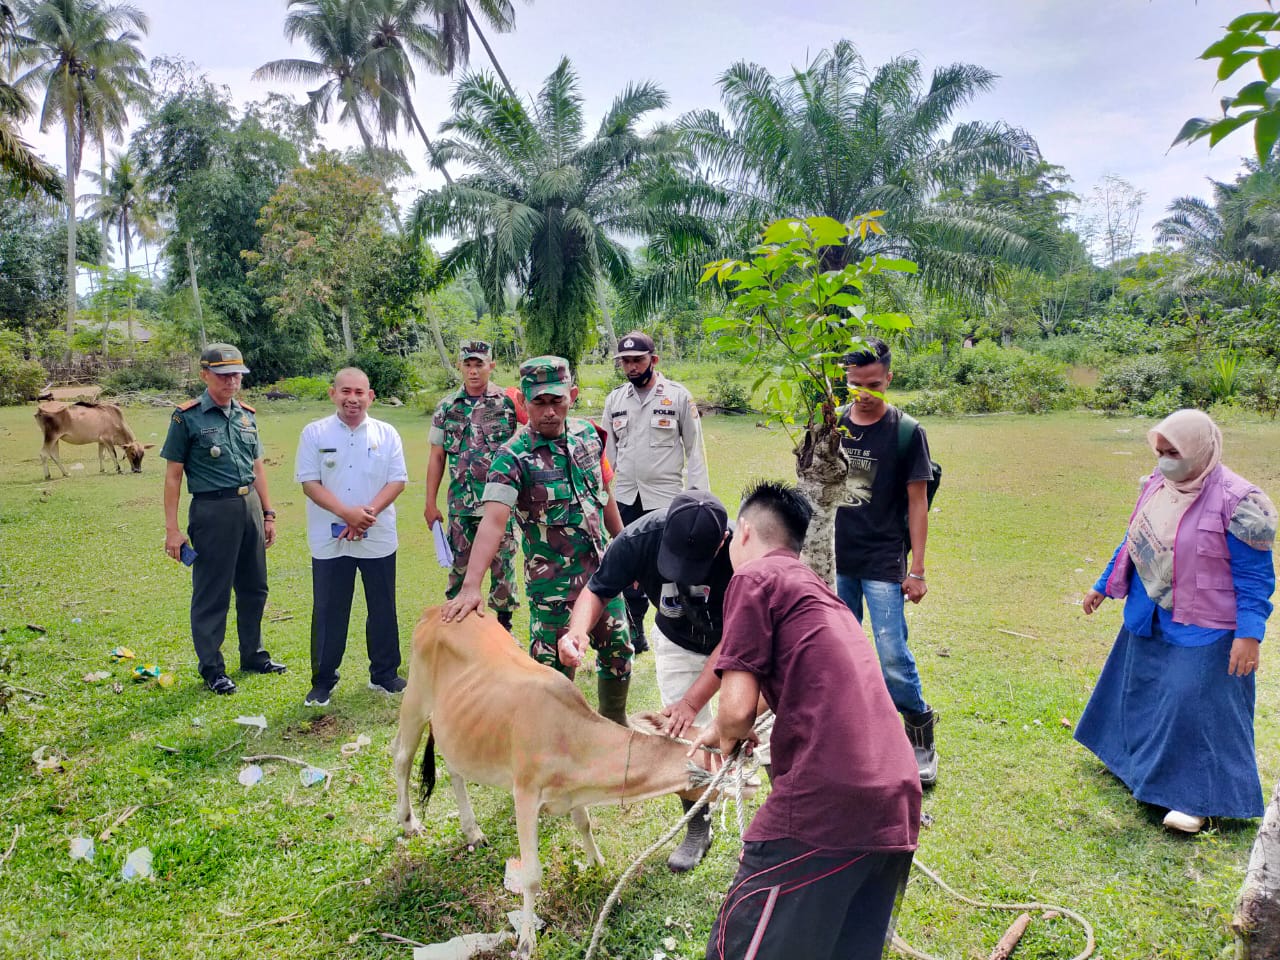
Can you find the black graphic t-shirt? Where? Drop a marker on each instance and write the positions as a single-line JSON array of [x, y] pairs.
[[870, 540]]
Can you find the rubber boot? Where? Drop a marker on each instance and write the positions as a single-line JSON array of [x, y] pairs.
[[504, 618], [920, 732], [613, 698], [696, 842]]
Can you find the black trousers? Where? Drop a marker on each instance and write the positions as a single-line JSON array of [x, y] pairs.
[[637, 602], [333, 584], [791, 901], [232, 554]]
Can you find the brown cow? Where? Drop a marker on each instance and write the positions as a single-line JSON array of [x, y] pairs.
[[100, 423], [505, 720]]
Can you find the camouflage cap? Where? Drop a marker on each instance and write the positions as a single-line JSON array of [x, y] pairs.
[[546, 375], [477, 349], [222, 358]]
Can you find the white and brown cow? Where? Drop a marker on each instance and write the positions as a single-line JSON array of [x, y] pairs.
[[100, 423], [502, 719]]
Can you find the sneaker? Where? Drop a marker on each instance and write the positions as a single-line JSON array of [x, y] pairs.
[[318, 697], [1183, 822], [394, 685]]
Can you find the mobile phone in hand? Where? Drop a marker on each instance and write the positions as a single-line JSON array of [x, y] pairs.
[[187, 554], [337, 529]]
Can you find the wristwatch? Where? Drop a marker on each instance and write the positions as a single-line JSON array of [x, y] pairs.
[[268, 514]]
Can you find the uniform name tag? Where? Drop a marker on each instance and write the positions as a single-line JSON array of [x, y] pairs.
[[548, 476]]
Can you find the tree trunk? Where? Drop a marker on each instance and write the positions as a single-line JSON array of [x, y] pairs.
[[488, 49], [602, 291], [431, 149], [433, 324], [71, 234], [195, 292], [102, 173], [1256, 923], [127, 277], [347, 343], [822, 471]]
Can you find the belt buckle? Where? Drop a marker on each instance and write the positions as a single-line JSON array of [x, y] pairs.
[[242, 491]]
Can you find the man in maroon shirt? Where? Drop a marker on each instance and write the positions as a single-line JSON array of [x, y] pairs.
[[826, 859]]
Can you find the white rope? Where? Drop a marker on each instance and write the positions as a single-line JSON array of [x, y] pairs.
[[731, 771], [906, 949]]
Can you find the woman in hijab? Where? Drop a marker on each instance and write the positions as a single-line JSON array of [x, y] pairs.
[[1172, 714]]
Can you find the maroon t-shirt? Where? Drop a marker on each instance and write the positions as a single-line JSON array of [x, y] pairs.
[[844, 774]]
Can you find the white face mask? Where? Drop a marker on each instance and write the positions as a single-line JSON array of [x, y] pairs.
[[1174, 468]]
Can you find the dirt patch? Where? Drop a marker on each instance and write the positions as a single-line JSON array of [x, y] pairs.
[[326, 729], [83, 391]]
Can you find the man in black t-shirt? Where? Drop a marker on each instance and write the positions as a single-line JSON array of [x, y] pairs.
[[887, 479], [679, 557]]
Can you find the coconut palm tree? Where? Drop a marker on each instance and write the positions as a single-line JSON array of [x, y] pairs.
[[77, 51], [25, 167], [122, 203], [456, 21], [336, 31], [545, 203], [840, 139]]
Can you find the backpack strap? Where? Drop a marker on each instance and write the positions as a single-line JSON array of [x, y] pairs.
[[906, 430]]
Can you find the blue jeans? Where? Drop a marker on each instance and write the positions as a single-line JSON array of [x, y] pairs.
[[885, 605]]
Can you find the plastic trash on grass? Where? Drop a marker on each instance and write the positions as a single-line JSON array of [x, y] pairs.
[[463, 947], [121, 653], [82, 848], [355, 746], [251, 775], [313, 775], [444, 553], [259, 721], [148, 671], [137, 864]]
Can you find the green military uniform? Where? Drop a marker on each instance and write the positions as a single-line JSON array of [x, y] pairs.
[[556, 490], [470, 430], [217, 449]]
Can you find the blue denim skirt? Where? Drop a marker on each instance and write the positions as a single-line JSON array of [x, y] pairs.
[[1175, 727]]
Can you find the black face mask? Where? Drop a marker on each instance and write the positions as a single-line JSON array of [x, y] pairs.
[[641, 380]]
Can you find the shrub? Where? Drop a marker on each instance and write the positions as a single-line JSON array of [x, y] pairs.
[[390, 375], [728, 391], [1260, 390], [1138, 380], [1159, 405], [20, 380], [925, 370], [144, 375], [304, 388]]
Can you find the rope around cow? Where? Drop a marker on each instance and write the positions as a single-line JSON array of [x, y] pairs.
[[737, 767]]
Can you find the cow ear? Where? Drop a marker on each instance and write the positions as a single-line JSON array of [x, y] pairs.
[[147, 446]]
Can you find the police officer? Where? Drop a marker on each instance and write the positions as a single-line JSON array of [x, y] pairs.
[[468, 427], [214, 440], [654, 440], [551, 478]]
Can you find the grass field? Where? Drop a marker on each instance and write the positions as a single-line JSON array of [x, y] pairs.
[[1029, 511]]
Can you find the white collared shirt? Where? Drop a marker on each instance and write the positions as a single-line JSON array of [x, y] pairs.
[[354, 464]]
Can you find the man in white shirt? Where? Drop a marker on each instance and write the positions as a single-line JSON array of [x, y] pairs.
[[352, 468], [654, 441]]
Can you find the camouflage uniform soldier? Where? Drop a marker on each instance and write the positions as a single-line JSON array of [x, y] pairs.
[[468, 427], [552, 477]]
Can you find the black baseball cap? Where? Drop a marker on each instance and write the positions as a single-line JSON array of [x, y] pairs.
[[634, 344], [695, 528]]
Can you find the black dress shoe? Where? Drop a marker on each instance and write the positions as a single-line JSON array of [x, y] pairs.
[[270, 666], [221, 684]]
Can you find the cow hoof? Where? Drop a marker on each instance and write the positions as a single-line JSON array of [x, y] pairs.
[[413, 828], [524, 948]]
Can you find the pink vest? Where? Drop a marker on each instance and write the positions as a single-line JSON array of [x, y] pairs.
[[1204, 593]]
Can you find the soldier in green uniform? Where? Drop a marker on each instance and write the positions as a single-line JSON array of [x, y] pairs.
[[552, 477], [467, 429], [214, 440]]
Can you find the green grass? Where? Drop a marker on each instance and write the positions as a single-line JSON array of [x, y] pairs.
[[1027, 514]]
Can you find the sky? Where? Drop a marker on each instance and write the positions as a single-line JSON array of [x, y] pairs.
[[1102, 85]]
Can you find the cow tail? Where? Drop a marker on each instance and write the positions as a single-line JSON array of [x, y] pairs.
[[428, 768]]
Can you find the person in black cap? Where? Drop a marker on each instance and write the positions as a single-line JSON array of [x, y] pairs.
[[214, 441], [653, 438], [679, 556]]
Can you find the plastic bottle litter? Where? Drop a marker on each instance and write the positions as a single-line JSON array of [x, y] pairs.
[[82, 848], [313, 775], [137, 864], [251, 775]]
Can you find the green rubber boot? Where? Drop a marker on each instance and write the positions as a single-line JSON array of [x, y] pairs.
[[613, 698]]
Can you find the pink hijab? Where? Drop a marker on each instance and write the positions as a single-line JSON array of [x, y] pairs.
[[1199, 441]]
